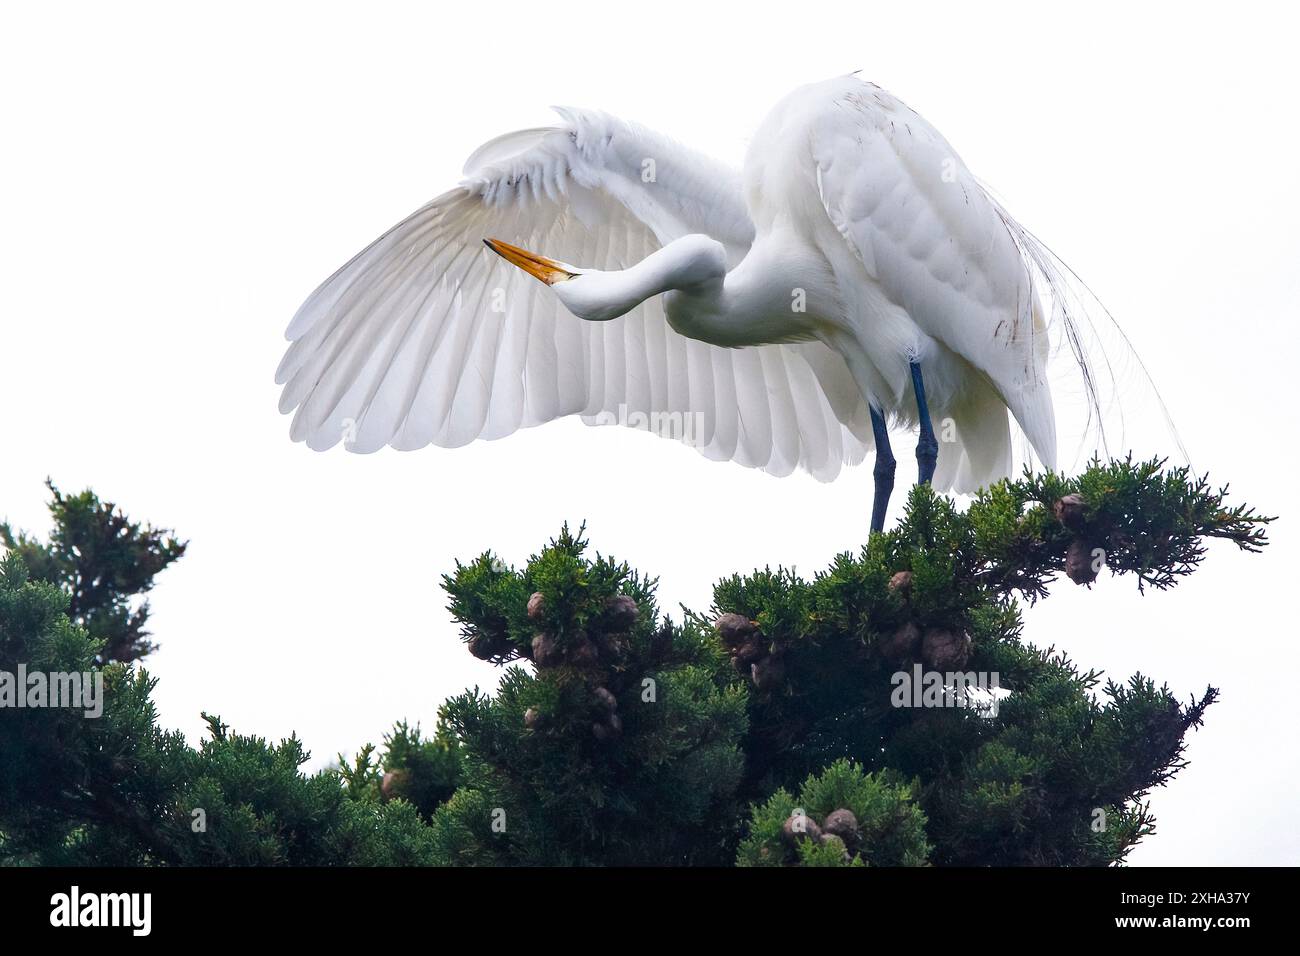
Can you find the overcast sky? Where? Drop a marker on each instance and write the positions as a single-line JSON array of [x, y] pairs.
[[173, 184]]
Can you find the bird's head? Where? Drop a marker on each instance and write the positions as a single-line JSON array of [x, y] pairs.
[[599, 296], [580, 290]]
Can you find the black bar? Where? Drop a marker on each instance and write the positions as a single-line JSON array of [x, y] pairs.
[[211, 905]]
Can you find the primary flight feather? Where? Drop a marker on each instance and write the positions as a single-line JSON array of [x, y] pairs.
[[853, 275]]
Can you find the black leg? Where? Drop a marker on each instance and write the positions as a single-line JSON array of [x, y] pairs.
[[883, 472], [927, 447]]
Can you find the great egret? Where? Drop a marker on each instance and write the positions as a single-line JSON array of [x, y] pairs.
[[856, 274]]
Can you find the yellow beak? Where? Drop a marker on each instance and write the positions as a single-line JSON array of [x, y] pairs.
[[539, 267]]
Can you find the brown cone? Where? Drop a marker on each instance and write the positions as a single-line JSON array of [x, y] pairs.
[[945, 650], [605, 699], [536, 605], [843, 824], [1069, 510], [904, 644], [901, 582], [1079, 561], [488, 646], [546, 653], [736, 629], [791, 837], [620, 612]]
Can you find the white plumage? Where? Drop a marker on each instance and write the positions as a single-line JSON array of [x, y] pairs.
[[855, 243]]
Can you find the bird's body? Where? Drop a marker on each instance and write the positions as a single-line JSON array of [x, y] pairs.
[[778, 308], [901, 258]]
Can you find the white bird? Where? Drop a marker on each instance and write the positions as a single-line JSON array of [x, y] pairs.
[[855, 274]]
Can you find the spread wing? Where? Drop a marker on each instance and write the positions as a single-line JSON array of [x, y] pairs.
[[427, 337]]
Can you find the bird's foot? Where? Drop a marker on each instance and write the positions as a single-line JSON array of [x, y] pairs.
[[927, 457]]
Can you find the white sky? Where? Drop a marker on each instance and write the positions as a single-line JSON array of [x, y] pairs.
[[173, 184]]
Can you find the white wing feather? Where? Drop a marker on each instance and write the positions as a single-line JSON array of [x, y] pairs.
[[427, 337], [939, 248]]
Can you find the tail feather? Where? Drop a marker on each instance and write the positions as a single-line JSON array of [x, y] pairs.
[[1036, 417], [975, 444]]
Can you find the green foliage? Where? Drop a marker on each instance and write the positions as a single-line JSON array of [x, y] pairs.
[[1022, 787], [621, 747], [424, 772], [103, 561], [619, 736], [1151, 522], [890, 824]]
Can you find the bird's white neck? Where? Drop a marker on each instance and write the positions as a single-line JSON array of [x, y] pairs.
[[702, 300], [750, 305]]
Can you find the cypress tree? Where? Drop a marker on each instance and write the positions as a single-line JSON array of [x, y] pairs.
[[795, 722]]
